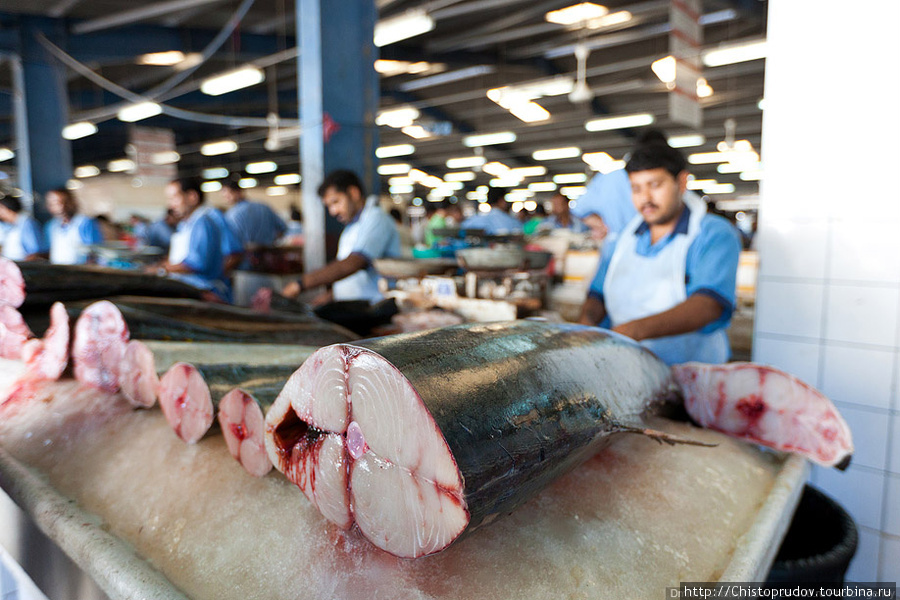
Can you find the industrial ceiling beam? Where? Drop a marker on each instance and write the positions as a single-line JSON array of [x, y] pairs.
[[129, 17]]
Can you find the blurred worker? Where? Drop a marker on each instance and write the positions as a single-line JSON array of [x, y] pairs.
[[562, 218], [24, 239], [606, 206], [497, 220], [195, 251], [158, 233], [436, 213], [369, 233], [255, 223], [535, 219], [69, 232], [232, 249], [668, 280]]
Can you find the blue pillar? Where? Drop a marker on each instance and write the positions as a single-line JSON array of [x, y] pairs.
[[44, 158], [338, 93]]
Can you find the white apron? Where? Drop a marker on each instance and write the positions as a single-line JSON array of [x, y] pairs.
[[66, 247], [362, 285], [639, 286], [179, 245], [12, 245]]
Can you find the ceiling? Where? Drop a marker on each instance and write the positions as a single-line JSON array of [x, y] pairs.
[[478, 44]]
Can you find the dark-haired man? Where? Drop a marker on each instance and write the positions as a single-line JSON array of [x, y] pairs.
[[668, 280], [369, 233], [255, 223], [69, 232], [24, 240]]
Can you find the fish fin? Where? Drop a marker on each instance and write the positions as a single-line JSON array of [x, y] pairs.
[[664, 438]]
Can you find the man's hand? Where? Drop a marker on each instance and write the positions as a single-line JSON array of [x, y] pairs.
[[291, 290]]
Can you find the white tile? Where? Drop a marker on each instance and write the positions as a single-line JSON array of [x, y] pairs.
[[858, 375], [894, 459], [800, 359], [892, 514], [889, 569], [864, 566], [862, 314], [789, 308], [864, 250], [789, 248], [859, 492], [870, 436]]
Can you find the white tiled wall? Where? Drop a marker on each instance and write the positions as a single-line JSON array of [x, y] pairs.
[[828, 306]]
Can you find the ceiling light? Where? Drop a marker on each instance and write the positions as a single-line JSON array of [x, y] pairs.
[[497, 169], [389, 68], [72, 184], [476, 195], [444, 78], [276, 190], [417, 131], [161, 59], [516, 205], [761, 105], [542, 186], [570, 178], [751, 175], [729, 167], [720, 188], [401, 189], [735, 53], [503, 182], [393, 169], [392, 151], [704, 90], [489, 139], [400, 180], [216, 148], [6, 154], [528, 171], [465, 162], [401, 27], [397, 117], [233, 80], [623, 122], [530, 205], [266, 166], [165, 158], [686, 141], [247, 182], [77, 131], [573, 191], [484, 207], [121, 165], [602, 162], [215, 173], [699, 184], [617, 18], [556, 153], [211, 186], [460, 176], [576, 13], [86, 171], [665, 69], [736, 157], [139, 112], [288, 179], [529, 112]]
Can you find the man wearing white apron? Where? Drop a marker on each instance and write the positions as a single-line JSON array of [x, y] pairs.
[[369, 233], [195, 249], [24, 240], [69, 233], [668, 280]]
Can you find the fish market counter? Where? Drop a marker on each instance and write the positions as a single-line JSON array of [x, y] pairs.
[[147, 516]]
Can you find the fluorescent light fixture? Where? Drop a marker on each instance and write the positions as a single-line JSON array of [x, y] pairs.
[[572, 191], [687, 141], [401, 189], [276, 190], [484, 207], [211, 186], [121, 165], [529, 112], [233, 80], [6, 154], [77, 131], [161, 59], [528, 171], [497, 169], [623, 122], [165, 158], [699, 184], [617, 18], [417, 131], [217, 148], [288, 179], [761, 105], [266, 166], [393, 169], [735, 53], [751, 175], [741, 157], [737, 168], [454, 185], [72, 184], [542, 186], [247, 182], [392, 151], [570, 178], [389, 68], [401, 180], [530, 205], [489, 139], [518, 100], [475, 196], [215, 173], [504, 182], [736, 146], [139, 112], [445, 78], [602, 162], [86, 171], [397, 117], [576, 13], [459, 176], [704, 90], [721, 188], [465, 162], [409, 24], [556, 153], [665, 69], [516, 205]]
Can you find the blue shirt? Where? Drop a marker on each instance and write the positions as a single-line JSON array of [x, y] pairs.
[[494, 222], [230, 244], [371, 234], [88, 232], [610, 197], [712, 261], [157, 234], [30, 239], [255, 223], [575, 225], [204, 253]]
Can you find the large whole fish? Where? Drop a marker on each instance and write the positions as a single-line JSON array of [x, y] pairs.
[[419, 438]]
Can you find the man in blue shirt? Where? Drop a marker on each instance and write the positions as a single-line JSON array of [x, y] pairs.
[[369, 233], [562, 217], [255, 223], [24, 240], [497, 220], [69, 232], [158, 233], [668, 280]]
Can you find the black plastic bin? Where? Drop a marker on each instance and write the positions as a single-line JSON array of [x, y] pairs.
[[819, 544]]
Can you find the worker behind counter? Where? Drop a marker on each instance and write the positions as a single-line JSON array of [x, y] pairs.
[[369, 233], [24, 239], [255, 223], [668, 280], [562, 217], [159, 232], [69, 232], [497, 220]]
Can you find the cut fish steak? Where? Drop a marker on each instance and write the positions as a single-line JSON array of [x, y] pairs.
[[99, 345], [47, 358]]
